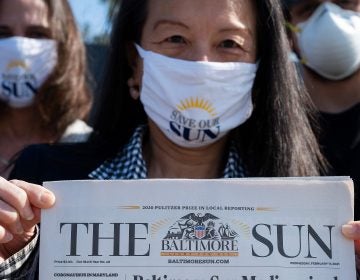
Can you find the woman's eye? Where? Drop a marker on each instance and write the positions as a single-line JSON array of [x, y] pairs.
[[229, 44], [38, 33], [5, 33], [344, 2], [306, 10], [348, 4], [176, 39]]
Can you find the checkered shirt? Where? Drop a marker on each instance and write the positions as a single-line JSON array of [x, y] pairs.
[[13, 263], [130, 164]]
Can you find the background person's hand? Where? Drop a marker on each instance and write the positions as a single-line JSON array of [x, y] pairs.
[[20, 204]]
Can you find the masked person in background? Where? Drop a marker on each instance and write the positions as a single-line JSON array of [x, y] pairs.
[[43, 91], [326, 39], [194, 89]]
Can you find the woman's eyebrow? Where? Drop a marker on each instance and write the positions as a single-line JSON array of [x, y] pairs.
[[239, 29], [38, 27], [244, 30], [169, 22]]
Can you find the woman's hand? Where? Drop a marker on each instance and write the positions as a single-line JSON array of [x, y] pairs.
[[20, 204], [352, 231]]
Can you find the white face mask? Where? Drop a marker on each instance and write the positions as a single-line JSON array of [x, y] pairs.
[[329, 41], [25, 64], [195, 103]]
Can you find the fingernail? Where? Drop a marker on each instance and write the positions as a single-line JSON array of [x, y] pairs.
[[28, 215], [46, 197], [8, 237], [348, 230], [19, 229]]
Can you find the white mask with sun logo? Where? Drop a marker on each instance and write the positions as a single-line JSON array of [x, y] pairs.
[[25, 64], [196, 103]]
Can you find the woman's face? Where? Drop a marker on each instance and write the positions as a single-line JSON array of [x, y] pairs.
[[202, 30], [24, 18]]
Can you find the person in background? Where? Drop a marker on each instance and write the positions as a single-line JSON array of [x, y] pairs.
[[43, 87], [195, 89], [326, 39]]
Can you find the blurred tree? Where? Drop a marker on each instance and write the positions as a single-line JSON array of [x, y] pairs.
[[102, 38], [113, 7], [85, 31]]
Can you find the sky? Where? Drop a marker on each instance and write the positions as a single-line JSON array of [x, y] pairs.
[[91, 12]]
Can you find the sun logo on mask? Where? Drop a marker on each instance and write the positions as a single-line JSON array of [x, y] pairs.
[[197, 103], [16, 64]]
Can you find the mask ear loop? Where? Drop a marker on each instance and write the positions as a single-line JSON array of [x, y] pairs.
[[292, 27], [295, 29]]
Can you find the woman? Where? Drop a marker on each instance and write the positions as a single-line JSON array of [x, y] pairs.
[[237, 111], [43, 86]]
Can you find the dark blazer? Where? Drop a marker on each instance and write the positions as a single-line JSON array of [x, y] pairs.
[[53, 162]]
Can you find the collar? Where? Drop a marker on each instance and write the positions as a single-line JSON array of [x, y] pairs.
[[130, 164]]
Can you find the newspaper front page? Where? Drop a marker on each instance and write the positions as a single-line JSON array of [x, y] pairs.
[[237, 229]]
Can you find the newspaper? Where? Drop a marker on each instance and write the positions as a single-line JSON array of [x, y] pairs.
[[226, 229]]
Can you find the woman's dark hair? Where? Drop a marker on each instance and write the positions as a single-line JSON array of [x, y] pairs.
[[65, 96], [118, 113], [276, 141]]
